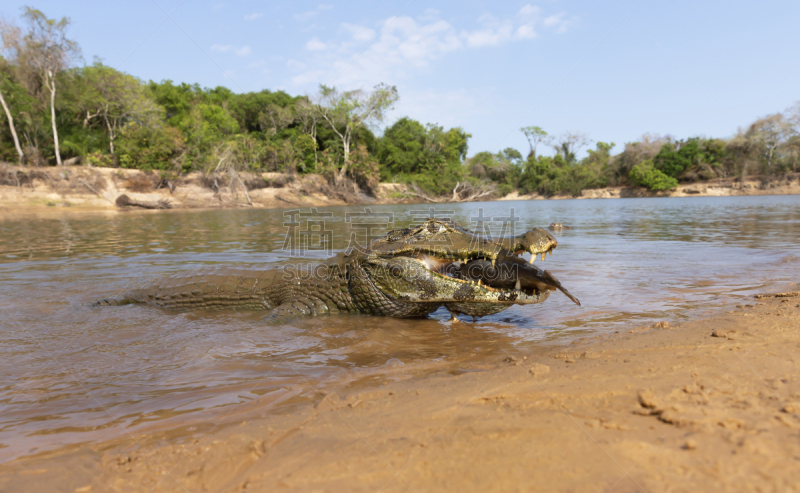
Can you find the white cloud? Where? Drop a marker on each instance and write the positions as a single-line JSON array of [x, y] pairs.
[[488, 37], [359, 33], [365, 55], [305, 16], [241, 51], [295, 64], [429, 14], [253, 16], [529, 15], [529, 10], [310, 28], [525, 31], [495, 32], [559, 23], [257, 64], [315, 44], [553, 20], [403, 43], [217, 6]]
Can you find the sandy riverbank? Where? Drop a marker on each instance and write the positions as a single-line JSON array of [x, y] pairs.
[[82, 188], [708, 405]]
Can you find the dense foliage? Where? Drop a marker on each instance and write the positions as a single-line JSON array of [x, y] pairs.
[[103, 117], [426, 155]]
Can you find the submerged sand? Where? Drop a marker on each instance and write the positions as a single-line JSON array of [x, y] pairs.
[[707, 405]]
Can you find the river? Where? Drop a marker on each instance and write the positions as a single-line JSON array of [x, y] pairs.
[[72, 375]]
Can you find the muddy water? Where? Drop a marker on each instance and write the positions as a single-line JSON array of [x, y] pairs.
[[70, 374]]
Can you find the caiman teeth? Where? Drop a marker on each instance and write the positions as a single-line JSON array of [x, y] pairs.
[[533, 257], [517, 286]]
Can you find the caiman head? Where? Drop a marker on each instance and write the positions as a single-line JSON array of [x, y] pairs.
[[442, 263]]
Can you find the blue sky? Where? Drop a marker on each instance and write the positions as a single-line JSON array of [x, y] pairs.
[[612, 69]]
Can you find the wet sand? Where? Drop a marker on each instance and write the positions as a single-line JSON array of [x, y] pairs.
[[712, 404]]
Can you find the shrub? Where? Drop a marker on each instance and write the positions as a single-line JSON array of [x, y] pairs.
[[646, 175]]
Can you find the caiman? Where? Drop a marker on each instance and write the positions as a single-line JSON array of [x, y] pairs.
[[407, 273]]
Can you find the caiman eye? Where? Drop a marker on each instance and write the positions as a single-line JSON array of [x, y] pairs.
[[434, 228]]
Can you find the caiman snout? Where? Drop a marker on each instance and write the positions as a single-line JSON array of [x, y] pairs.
[[535, 241], [509, 273]]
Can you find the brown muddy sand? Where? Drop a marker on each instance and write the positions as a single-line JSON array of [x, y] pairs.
[[708, 405]]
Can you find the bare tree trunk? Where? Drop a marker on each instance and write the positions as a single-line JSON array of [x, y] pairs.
[[52, 87], [769, 159], [314, 136], [235, 176], [455, 191], [110, 135], [13, 130], [346, 145]]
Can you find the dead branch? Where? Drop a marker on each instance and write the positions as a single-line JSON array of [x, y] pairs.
[[234, 176], [467, 192], [124, 200], [462, 192], [92, 188]]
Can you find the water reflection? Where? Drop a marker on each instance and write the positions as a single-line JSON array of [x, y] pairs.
[[71, 374]]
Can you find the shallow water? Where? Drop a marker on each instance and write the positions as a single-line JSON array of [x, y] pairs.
[[71, 374]]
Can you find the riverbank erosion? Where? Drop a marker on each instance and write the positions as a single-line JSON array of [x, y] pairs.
[[711, 404], [79, 187]]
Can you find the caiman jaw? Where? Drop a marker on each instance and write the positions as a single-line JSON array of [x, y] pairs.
[[409, 279], [440, 241], [422, 265]]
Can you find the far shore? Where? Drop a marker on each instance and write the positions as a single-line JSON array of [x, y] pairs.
[[711, 404], [83, 188]]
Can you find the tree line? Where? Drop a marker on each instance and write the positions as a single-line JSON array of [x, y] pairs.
[[59, 111]]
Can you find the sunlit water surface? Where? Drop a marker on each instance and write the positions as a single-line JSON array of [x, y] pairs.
[[72, 374]]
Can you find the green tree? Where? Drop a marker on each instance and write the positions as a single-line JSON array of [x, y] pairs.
[[768, 134], [569, 144], [511, 155], [115, 99], [403, 148], [503, 168], [9, 37], [205, 129], [602, 153], [47, 49], [619, 166], [346, 112], [427, 155], [7, 86], [177, 100], [675, 157], [645, 174], [535, 136], [145, 147]]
